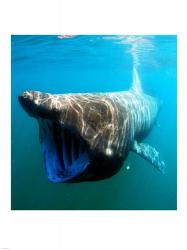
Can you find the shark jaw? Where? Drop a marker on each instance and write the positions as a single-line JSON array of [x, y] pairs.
[[66, 155]]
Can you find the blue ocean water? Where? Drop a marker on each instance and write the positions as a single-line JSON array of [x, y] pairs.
[[94, 63]]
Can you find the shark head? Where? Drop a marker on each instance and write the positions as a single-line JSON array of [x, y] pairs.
[[80, 134]]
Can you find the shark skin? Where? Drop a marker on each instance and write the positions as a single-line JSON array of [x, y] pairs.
[[87, 136]]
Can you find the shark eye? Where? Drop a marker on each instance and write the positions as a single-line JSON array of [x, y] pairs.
[[109, 151]]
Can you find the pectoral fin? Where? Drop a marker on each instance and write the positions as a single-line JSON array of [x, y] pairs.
[[150, 154]]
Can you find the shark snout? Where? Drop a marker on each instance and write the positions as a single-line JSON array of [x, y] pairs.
[[38, 104], [29, 100], [31, 96], [26, 101], [25, 96]]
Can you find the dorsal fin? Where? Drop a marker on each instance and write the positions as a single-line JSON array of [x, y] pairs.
[[136, 83]]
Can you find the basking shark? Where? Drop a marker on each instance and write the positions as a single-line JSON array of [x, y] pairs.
[[87, 136]]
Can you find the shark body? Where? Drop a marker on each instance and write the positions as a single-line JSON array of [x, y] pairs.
[[87, 136]]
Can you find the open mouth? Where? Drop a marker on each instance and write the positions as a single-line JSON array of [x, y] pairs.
[[65, 153]]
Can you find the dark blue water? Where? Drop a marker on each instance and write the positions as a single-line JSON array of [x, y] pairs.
[[94, 64]]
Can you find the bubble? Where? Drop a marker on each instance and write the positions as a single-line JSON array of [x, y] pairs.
[[128, 167]]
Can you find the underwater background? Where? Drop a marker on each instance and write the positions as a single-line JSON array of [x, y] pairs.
[[94, 63]]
